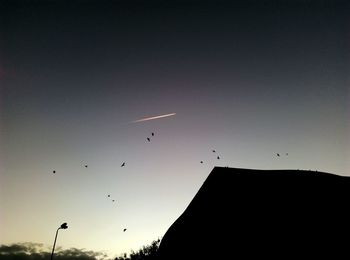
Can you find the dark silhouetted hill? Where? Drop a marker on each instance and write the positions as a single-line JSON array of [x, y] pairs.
[[277, 214]]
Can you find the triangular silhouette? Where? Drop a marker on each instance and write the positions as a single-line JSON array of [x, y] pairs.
[[248, 214]]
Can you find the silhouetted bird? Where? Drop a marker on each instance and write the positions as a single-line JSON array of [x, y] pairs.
[[54, 171], [86, 166], [124, 229], [123, 164], [113, 200], [148, 139], [218, 157], [201, 161], [286, 153], [109, 196], [214, 151], [152, 134], [278, 154]]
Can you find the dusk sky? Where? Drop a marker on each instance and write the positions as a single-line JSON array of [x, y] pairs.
[[249, 79]]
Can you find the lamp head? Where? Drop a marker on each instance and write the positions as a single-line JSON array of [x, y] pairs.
[[64, 226]]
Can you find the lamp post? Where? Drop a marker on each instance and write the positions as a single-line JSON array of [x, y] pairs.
[[63, 226]]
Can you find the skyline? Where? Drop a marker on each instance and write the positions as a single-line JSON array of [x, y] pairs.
[[248, 79]]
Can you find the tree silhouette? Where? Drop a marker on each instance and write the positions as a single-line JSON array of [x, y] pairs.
[[145, 253]]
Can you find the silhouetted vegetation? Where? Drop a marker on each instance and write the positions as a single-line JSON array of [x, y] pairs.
[[36, 251], [145, 253]]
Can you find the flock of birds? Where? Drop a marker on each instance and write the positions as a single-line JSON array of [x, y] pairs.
[[149, 140], [122, 165], [109, 195], [217, 157]]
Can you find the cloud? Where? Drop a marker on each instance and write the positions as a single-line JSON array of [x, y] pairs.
[[36, 251]]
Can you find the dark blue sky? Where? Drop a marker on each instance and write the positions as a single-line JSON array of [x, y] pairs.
[[247, 78]]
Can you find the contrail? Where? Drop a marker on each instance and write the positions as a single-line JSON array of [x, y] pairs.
[[153, 117]]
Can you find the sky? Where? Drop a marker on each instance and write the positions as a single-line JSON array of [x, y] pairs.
[[249, 79]]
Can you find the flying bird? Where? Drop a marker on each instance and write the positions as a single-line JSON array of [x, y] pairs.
[[54, 171], [123, 164], [148, 139], [86, 166], [278, 154], [218, 157], [201, 161], [287, 154], [124, 229], [109, 196], [214, 151], [113, 200], [152, 134]]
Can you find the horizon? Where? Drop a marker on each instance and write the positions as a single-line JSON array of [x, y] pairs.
[[25, 250], [249, 84]]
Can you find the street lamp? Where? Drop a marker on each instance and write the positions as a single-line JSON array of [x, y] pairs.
[[63, 226]]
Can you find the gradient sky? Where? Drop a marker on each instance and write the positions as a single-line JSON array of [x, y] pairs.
[[249, 79]]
